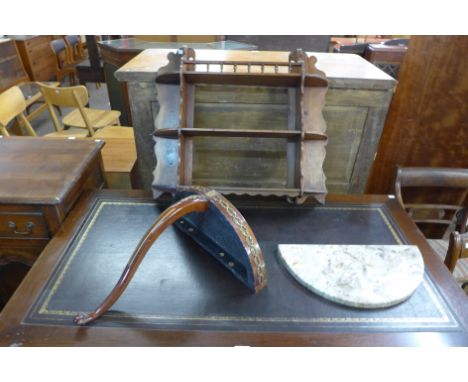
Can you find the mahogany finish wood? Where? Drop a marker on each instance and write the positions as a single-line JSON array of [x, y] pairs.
[[458, 249], [380, 53], [303, 84], [41, 179], [427, 124], [14, 332], [444, 202], [199, 203]]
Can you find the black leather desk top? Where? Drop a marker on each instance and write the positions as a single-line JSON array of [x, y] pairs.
[[178, 286]]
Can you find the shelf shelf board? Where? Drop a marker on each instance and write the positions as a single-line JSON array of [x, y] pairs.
[[198, 132]]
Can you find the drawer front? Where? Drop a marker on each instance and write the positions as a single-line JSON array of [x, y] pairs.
[[40, 51], [42, 64], [44, 72], [28, 225], [37, 41]]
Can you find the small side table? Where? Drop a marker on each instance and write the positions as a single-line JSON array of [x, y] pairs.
[[41, 179]]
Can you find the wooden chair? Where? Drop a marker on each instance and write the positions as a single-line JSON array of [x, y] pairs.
[[75, 48], [13, 72], [454, 254], [13, 105], [457, 249], [448, 210], [81, 117], [63, 67]]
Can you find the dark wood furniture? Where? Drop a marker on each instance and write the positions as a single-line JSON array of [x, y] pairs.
[[38, 59], [207, 308], [116, 53], [386, 57], [444, 203], [41, 179], [458, 249], [436, 200], [218, 227], [427, 123], [266, 118], [90, 69]]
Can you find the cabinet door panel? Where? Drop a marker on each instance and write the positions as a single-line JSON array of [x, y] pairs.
[[345, 125]]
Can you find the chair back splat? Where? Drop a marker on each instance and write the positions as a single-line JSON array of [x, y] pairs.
[[91, 120], [13, 105], [436, 200], [442, 206]]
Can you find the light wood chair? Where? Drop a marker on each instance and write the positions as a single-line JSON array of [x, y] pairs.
[[75, 48], [81, 117], [13, 105]]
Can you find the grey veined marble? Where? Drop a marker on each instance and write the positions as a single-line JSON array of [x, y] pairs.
[[362, 276]]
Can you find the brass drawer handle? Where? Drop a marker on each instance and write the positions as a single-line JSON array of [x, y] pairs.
[[29, 228]]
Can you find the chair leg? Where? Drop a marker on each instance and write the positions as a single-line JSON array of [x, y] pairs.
[[72, 78], [4, 131], [28, 108], [58, 109]]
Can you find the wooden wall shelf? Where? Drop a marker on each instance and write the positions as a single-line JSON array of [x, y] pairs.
[[242, 127]]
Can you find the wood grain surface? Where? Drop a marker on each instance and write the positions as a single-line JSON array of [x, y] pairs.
[[427, 124], [13, 331]]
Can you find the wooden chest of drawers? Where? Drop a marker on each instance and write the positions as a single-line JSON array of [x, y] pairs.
[[11, 67], [37, 56], [41, 179]]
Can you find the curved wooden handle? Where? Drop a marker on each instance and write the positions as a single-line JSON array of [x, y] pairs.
[[193, 203]]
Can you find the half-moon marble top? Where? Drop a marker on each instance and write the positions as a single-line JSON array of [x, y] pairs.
[[362, 276]]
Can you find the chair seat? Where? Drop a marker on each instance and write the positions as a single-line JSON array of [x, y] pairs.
[[78, 133], [98, 118], [115, 132], [460, 272]]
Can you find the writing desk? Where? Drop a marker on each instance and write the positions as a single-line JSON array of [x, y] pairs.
[[180, 296], [40, 181]]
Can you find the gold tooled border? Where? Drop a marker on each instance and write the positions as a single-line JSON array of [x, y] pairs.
[[445, 316]]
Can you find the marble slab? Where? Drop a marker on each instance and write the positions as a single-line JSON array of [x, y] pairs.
[[361, 276]]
